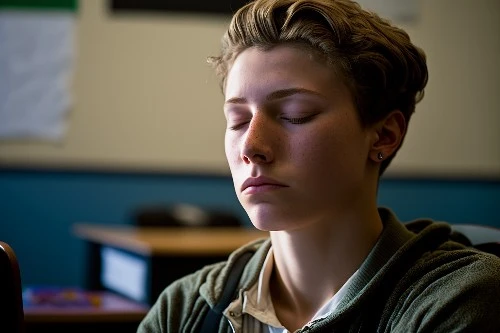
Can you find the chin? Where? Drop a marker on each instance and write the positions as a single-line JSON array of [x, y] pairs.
[[266, 226], [270, 220]]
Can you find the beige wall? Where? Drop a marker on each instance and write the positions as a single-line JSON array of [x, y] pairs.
[[456, 129], [146, 99]]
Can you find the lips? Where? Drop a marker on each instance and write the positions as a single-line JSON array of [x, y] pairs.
[[260, 183]]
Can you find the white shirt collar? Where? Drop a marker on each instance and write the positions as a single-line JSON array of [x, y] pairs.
[[257, 303]]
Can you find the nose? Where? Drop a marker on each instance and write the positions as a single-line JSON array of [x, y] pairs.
[[257, 143]]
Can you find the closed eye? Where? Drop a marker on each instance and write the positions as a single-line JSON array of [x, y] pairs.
[[299, 120], [237, 126]]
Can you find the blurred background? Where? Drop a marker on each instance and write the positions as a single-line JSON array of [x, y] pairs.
[[135, 119]]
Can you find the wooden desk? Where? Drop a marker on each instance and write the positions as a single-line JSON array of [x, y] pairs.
[[168, 252], [113, 313], [184, 241]]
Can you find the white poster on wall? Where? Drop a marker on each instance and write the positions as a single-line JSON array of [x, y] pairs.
[[36, 61]]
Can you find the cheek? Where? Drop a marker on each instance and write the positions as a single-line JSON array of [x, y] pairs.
[[231, 157], [230, 148], [319, 155], [331, 149]]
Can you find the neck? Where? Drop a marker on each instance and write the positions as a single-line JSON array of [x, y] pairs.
[[313, 263]]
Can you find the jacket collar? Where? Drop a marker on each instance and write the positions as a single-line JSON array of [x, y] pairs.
[[211, 290]]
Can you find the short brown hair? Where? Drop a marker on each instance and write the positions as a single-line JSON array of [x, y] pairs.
[[377, 61]]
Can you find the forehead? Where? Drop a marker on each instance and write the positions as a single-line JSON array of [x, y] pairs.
[[259, 71]]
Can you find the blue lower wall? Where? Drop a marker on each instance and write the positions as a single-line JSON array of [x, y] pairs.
[[38, 209]]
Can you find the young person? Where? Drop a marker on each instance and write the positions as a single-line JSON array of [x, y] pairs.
[[318, 96]]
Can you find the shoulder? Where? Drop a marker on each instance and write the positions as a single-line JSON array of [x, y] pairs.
[[417, 280], [451, 288]]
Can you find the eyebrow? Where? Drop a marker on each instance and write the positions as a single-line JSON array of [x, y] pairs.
[[278, 94]]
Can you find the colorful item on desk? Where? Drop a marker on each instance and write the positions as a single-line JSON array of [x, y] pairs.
[[59, 296]]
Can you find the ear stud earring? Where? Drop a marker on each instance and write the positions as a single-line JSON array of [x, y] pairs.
[[380, 156]]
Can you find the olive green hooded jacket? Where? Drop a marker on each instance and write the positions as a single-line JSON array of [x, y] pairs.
[[414, 280]]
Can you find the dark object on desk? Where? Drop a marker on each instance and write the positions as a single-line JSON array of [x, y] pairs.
[[183, 215], [11, 302], [481, 237]]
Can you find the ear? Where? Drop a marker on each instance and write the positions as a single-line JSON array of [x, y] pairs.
[[390, 132]]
